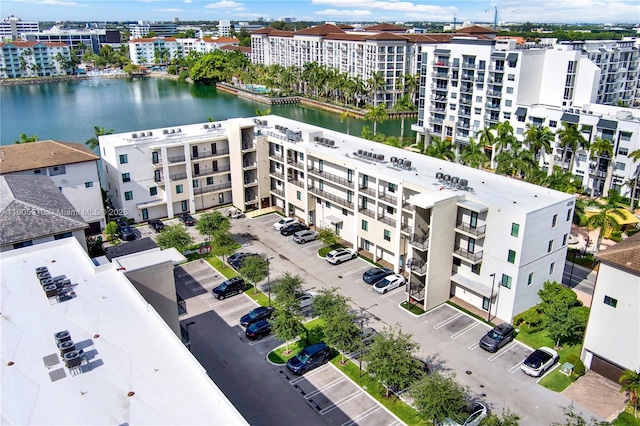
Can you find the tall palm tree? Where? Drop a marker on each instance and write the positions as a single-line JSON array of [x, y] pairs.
[[26, 139], [515, 161], [607, 216], [473, 155], [376, 114], [99, 131], [486, 137], [601, 148], [563, 181], [539, 138], [504, 136], [570, 137], [442, 149], [375, 83], [347, 115], [401, 106], [635, 156], [630, 385]]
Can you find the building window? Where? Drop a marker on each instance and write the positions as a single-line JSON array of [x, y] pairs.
[[552, 267], [392, 187], [365, 225], [387, 235], [209, 181], [23, 244], [88, 184], [478, 98], [128, 195], [515, 229], [195, 183], [126, 177], [511, 77], [345, 212], [153, 191], [509, 90], [530, 279], [183, 204], [508, 103], [61, 236], [327, 204], [220, 198], [569, 215], [506, 281], [623, 151], [554, 221], [511, 258], [298, 195], [610, 301], [179, 189], [123, 159], [519, 130], [620, 166], [553, 123], [367, 245], [564, 239], [550, 246], [475, 268]]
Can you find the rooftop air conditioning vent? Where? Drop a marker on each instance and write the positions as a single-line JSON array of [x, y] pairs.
[[134, 135], [206, 126], [72, 359], [62, 336], [50, 290], [407, 164], [42, 269], [44, 276], [439, 175], [67, 346], [165, 131]]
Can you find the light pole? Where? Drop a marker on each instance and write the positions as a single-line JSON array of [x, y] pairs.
[[493, 283], [186, 328], [268, 282], [361, 337]]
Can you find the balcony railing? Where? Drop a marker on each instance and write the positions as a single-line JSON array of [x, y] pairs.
[[417, 265], [248, 146], [212, 188], [368, 191], [176, 159], [331, 197], [419, 240], [202, 155], [277, 175], [479, 230], [178, 176], [278, 192], [406, 205], [387, 220], [415, 289], [331, 177], [249, 165], [367, 212], [407, 229], [297, 182], [250, 199], [209, 172], [474, 257], [276, 157], [389, 199]]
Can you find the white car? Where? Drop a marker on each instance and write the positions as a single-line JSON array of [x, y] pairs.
[[302, 237], [337, 256], [284, 222], [389, 283], [306, 299], [539, 361], [471, 416]]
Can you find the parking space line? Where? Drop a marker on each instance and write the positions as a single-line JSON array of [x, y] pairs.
[[475, 345], [264, 339], [361, 416], [325, 387], [448, 320], [311, 245], [340, 402], [464, 330], [205, 296], [390, 293], [355, 271], [515, 367], [237, 308], [306, 376], [505, 350]]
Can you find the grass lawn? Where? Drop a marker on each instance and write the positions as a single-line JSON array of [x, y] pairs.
[[626, 419], [556, 381], [314, 334], [417, 310], [221, 267], [260, 297]]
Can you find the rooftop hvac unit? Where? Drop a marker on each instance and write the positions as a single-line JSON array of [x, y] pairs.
[[67, 346], [149, 134], [62, 336], [50, 290], [264, 122], [44, 276], [315, 138], [359, 152], [72, 359], [332, 143], [446, 178], [463, 183], [63, 283], [454, 180], [393, 160], [400, 161], [46, 282], [407, 164], [134, 135], [380, 157], [58, 278], [439, 175], [165, 131], [173, 130], [206, 126], [42, 269]]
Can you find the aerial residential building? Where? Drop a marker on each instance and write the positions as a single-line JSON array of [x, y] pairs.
[[72, 167], [612, 339], [457, 231], [160, 29], [92, 350], [21, 59], [12, 27], [33, 211], [145, 51], [224, 28], [89, 38]]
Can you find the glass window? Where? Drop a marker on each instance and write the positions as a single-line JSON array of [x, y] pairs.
[[476, 268], [128, 195], [387, 235], [123, 159], [564, 239], [553, 123], [508, 102], [554, 221], [179, 189], [530, 279], [509, 90], [478, 98], [506, 281], [88, 184], [153, 191], [550, 246], [126, 177], [610, 301], [365, 225], [210, 181], [569, 215], [552, 267], [511, 258], [298, 195], [515, 229]]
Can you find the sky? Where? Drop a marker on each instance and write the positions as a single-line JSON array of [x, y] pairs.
[[550, 11]]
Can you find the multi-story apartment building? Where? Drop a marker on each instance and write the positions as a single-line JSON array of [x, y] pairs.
[[12, 27], [90, 38], [161, 29], [72, 167], [224, 28], [145, 51], [33, 59], [455, 230]]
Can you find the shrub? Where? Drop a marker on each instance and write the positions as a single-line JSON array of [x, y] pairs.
[[578, 365], [616, 236], [532, 318], [631, 231]]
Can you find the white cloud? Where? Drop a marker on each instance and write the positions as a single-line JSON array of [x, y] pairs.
[[342, 13], [411, 9], [187, 1], [169, 10], [226, 4], [61, 3]]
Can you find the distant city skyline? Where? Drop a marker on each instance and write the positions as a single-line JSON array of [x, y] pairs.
[[539, 11]]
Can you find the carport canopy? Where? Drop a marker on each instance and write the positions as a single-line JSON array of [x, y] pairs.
[[475, 286], [333, 220]]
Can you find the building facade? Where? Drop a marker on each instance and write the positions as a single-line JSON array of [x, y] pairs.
[[160, 29], [12, 27], [456, 231], [22, 59], [146, 51], [89, 38], [612, 338], [72, 167]]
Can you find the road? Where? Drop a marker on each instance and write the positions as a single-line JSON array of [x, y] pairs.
[[579, 278]]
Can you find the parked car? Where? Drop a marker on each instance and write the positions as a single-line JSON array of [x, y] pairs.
[[187, 219], [306, 299], [156, 225], [237, 263], [309, 358], [257, 314], [285, 221], [388, 283], [230, 287], [367, 335], [126, 233], [293, 228], [470, 416], [373, 275], [539, 361], [337, 256], [235, 256], [302, 237], [258, 329], [235, 214], [496, 338]]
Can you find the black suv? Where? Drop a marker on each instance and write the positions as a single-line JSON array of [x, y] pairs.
[[499, 336], [230, 287], [187, 219], [156, 225], [309, 358]]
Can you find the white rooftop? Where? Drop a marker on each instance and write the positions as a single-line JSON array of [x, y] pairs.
[[136, 371], [144, 259]]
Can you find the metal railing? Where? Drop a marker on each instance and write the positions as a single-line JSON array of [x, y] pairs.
[[367, 212], [417, 265], [331, 197], [419, 240], [389, 199], [178, 176], [176, 159], [295, 163], [208, 172], [388, 221], [331, 177], [249, 165], [297, 182], [277, 157], [368, 191], [277, 175], [278, 192], [479, 230], [407, 229], [218, 152], [212, 188], [474, 257]]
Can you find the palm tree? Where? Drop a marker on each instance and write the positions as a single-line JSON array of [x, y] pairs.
[[402, 105], [539, 138], [570, 137], [376, 114], [630, 385], [504, 136], [263, 112], [563, 181], [635, 156], [515, 161], [347, 115], [99, 131], [487, 138], [26, 139], [473, 155], [442, 149], [607, 216], [375, 83], [601, 148]]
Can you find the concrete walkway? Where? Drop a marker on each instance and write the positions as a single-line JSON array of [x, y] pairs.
[[597, 394]]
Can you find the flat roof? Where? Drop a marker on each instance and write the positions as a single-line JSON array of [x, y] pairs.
[[137, 371], [144, 259]]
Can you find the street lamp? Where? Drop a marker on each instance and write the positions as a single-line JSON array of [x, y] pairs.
[[493, 283], [268, 282]]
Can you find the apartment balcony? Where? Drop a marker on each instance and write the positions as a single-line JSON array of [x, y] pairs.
[[159, 179], [467, 255], [278, 192], [296, 182], [387, 220], [419, 241], [468, 65], [296, 164], [328, 196], [406, 228], [443, 75], [203, 156], [495, 107], [251, 199], [248, 182], [496, 69], [331, 177], [178, 176], [368, 191], [157, 163], [415, 289], [277, 175], [417, 265], [464, 124], [406, 205], [477, 232], [276, 157], [246, 147], [464, 113], [211, 172], [176, 159], [212, 188], [466, 89], [367, 212], [465, 101], [466, 77], [389, 199], [440, 63], [248, 165]]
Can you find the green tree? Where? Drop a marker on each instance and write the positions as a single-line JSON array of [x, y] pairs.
[[340, 330], [562, 322], [515, 160], [486, 137], [539, 138], [212, 223], [111, 230], [131, 69], [285, 291], [98, 131], [570, 137], [438, 397], [254, 269], [223, 244], [504, 137], [440, 148], [509, 418], [473, 155], [635, 157], [599, 149], [174, 236], [328, 236], [607, 216], [347, 115], [287, 326], [94, 246], [263, 112], [376, 114], [401, 106], [26, 139], [391, 359], [630, 385], [376, 83]]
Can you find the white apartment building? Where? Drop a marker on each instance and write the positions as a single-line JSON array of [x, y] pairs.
[[145, 51], [490, 240], [90, 38], [72, 167], [612, 339], [21, 59], [224, 28], [143, 28], [12, 27]]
